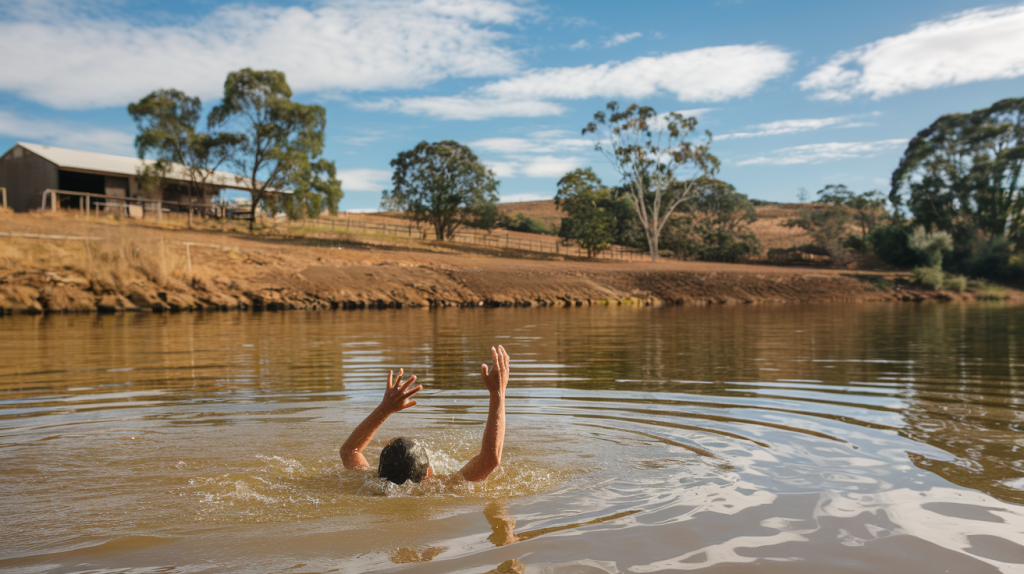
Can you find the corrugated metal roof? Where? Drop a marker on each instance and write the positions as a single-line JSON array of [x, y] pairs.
[[117, 165]]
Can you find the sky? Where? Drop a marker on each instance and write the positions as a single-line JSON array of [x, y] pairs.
[[797, 94]]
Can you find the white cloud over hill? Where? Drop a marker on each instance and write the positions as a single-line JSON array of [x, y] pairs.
[[972, 46]]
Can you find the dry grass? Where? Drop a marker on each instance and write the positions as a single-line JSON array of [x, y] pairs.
[[543, 211], [111, 262], [770, 228]]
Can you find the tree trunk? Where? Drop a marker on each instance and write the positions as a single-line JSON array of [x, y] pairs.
[[652, 242], [252, 215], [190, 210]]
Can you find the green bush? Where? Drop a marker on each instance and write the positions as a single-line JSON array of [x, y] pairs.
[[891, 244], [994, 259], [525, 223], [956, 283], [930, 277]]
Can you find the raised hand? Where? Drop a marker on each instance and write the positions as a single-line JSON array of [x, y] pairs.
[[396, 396], [496, 378]]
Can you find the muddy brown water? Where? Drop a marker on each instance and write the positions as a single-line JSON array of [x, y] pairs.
[[861, 438]]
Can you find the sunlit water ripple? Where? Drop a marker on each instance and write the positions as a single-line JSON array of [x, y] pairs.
[[881, 438]]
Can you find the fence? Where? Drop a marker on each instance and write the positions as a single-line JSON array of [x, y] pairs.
[[135, 207], [494, 239]]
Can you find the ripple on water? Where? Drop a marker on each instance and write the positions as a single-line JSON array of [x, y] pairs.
[[876, 439]]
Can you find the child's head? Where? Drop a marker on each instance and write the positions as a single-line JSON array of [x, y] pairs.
[[404, 459]]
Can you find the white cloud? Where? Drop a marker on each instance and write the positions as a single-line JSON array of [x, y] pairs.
[[503, 168], [706, 74], [364, 179], [66, 134], [577, 22], [972, 46], [540, 143], [794, 126], [544, 154], [77, 60], [550, 166], [622, 39], [696, 112], [466, 108], [579, 45], [823, 152], [520, 197]]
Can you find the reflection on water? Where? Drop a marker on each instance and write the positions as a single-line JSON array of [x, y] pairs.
[[881, 438]]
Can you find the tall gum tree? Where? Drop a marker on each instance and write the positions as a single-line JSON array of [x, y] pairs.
[[650, 151], [167, 121], [279, 144], [962, 174]]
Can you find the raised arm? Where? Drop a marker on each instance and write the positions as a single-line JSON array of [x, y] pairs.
[[396, 398], [495, 379]]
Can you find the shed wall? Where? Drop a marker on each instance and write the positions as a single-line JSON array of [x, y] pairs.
[[25, 178]]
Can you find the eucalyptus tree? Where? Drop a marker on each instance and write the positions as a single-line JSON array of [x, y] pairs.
[[650, 151], [962, 174], [585, 200], [278, 144], [445, 185], [167, 120]]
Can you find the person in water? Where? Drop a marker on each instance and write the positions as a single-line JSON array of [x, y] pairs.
[[405, 459]]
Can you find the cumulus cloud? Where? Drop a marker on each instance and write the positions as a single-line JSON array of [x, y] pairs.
[[364, 179], [621, 39], [549, 166], [520, 197], [541, 143], [466, 107], [66, 134], [706, 74], [79, 60], [544, 154], [701, 75], [781, 127], [972, 46], [824, 152]]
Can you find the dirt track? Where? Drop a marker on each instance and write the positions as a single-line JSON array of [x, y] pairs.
[[129, 267]]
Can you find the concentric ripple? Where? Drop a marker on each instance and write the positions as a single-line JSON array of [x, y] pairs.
[[882, 438]]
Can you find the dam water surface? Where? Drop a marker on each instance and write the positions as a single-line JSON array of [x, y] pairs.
[[775, 439]]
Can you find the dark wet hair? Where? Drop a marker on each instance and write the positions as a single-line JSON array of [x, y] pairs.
[[403, 459]]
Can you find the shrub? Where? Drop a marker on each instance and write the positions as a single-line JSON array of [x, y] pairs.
[[956, 283], [524, 223], [930, 277], [930, 244], [994, 259], [891, 245]]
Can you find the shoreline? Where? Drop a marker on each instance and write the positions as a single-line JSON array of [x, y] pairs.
[[107, 266]]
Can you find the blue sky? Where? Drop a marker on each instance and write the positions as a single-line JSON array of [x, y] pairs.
[[796, 94]]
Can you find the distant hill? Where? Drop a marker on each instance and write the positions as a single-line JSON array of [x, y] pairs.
[[769, 226]]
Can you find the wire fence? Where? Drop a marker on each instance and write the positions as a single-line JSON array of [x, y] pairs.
[[499, 239]]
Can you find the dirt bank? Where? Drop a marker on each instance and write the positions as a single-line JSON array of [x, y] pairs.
[[111, 266]]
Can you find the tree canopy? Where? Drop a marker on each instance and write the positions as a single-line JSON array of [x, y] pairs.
[[444, 184], [962, 174], [589, 221], [649, 150], [714, 224], [167, 121], [279, 144], [836, 210]]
